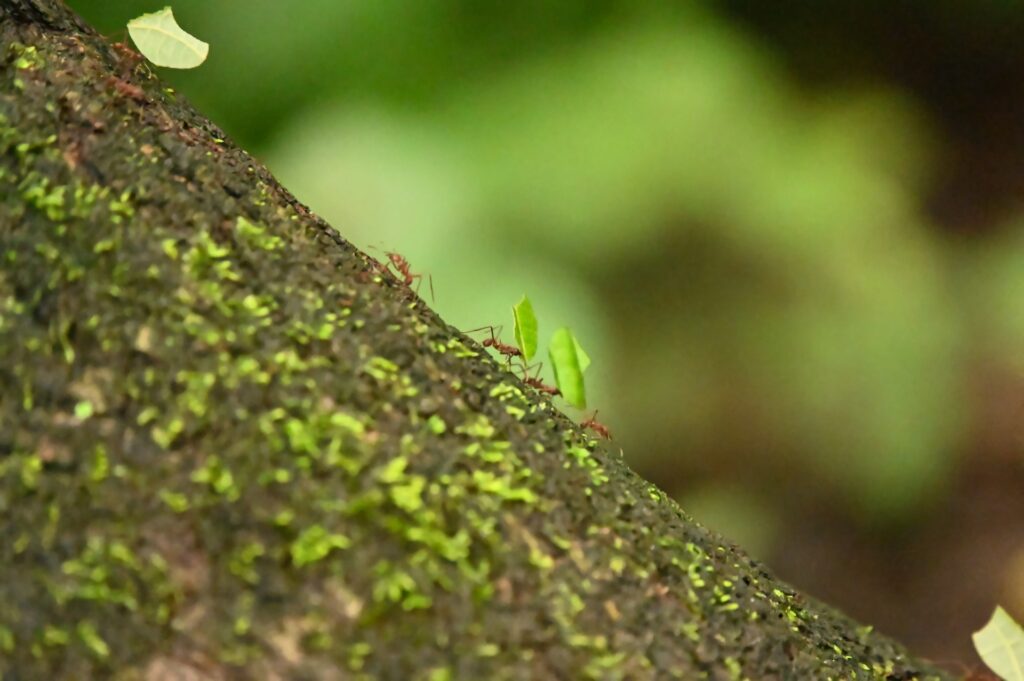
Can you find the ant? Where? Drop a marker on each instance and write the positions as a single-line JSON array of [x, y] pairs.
[[508, 351], [126, 53], [593, 424], [126, 89], [541, 386], [404, 270], [536, 383], [128, 57]]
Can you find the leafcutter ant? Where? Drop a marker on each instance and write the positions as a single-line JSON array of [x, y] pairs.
[[127, 56], [541, 386], [508, 351], [404, 270], [126, 89], [593, 424], [127, 59], [536, 383]]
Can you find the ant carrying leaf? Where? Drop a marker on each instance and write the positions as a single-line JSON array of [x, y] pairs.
[[525, 331], [504, 349], [568, 360], [535, 381]]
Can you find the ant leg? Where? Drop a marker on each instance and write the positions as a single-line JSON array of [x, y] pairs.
[[527, 368], [495, 331], [496, 334], [419, 281], [482, 328]]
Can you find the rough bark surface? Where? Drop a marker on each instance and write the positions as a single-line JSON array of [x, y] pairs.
[[231, 448]]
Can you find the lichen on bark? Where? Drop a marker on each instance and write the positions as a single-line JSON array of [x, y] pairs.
[[232, 447]]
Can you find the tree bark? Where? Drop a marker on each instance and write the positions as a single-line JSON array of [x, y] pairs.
[[231, 447]]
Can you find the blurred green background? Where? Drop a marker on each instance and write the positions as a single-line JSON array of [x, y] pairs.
[[790, 235]]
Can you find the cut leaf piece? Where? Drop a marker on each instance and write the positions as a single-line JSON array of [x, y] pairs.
[[525, 327], [583, 357], [1000, 644], [566, 363], [163, 42]]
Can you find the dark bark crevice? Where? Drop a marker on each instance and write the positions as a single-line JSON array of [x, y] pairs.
[[46, 14]]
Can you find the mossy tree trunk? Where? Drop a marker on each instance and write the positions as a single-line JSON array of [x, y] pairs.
[[231, 448]]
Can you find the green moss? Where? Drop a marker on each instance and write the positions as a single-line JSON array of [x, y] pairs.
[[7, 641], [437, 425], [25, 56], [91, 639], [54, 636], [382, 369], [439, 674], [502, 487], [316, 543], [219, 478], [109, 572], [394, 585], [170, 248], [31, 467], [83, 410], [176, 501], [478, 427], [37, 192]]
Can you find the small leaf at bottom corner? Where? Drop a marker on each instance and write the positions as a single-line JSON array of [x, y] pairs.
[[1000, 644]]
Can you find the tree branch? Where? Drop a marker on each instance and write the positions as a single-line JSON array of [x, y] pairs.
[[230, 447]]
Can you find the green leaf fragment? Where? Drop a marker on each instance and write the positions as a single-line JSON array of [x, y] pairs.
[[583, 357], [163, 42], [525, 327], [1000, 644], [568, 370]]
